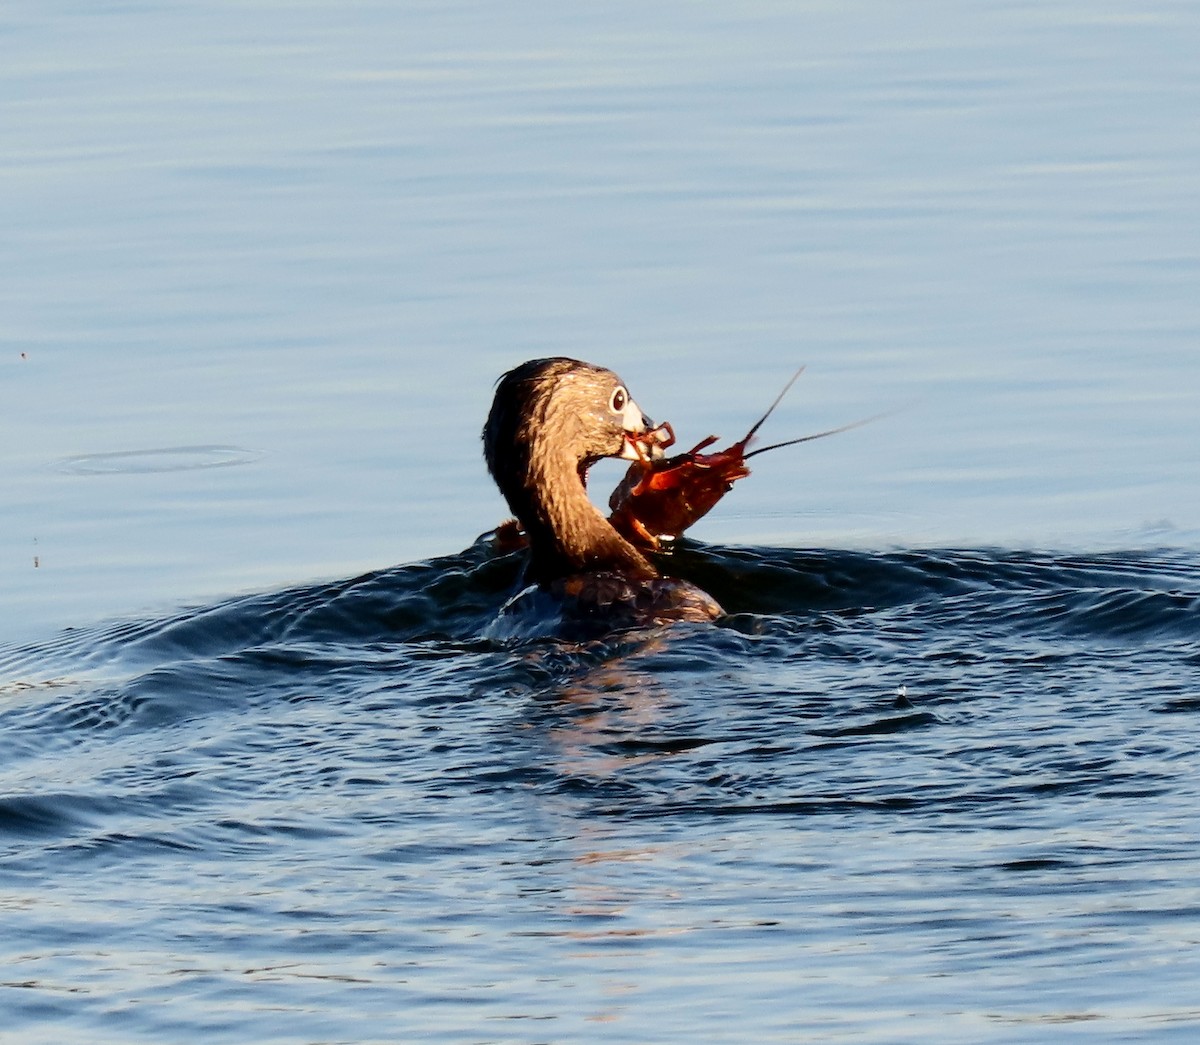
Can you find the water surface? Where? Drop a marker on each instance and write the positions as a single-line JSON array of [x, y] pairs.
[[933, 779], [891, 797]]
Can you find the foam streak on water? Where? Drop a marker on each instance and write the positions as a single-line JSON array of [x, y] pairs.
[[913, 796]]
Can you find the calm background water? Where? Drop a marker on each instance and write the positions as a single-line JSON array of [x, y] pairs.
[[261, 265]]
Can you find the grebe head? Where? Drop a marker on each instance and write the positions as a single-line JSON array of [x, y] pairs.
[[560, 408]]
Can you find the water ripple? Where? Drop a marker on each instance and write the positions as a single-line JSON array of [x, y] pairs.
[[971, 755]]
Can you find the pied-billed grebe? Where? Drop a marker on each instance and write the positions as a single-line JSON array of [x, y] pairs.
[[551, 420]]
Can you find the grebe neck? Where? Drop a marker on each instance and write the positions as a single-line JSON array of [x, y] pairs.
[[567, 533]]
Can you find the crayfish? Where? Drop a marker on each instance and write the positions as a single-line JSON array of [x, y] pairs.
[[660, 497]]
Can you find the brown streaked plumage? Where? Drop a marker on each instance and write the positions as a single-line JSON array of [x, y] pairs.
[[550, 421]]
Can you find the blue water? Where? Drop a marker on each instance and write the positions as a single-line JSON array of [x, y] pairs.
[[901, 796], [933, 779]]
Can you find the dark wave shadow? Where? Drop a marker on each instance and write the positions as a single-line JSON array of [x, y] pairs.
[[447, 603]]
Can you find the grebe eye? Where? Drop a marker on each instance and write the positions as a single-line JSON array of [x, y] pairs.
[[619, 398]]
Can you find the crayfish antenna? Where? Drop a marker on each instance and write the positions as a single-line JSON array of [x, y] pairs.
[[778, 399], [818, 435]]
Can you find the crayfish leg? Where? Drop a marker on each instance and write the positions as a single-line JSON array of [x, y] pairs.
[[509, 537], [701, 445], [640, 529], [634, 530]]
